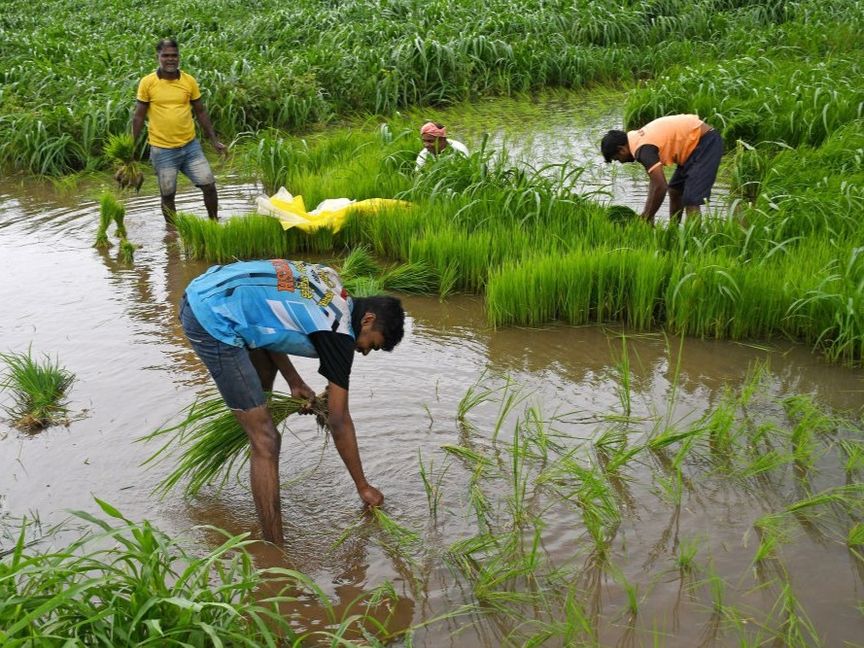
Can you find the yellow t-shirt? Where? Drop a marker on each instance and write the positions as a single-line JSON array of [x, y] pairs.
[[169, 114]]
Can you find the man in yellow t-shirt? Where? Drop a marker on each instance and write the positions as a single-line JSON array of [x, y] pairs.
[[167, 98], [683, 140]]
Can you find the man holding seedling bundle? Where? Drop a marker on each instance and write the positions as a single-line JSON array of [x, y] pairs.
[[684, 140], [435, 142], [167, 98], [243, 320]]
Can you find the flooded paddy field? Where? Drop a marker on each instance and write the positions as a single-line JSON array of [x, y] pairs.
[[522, 524]]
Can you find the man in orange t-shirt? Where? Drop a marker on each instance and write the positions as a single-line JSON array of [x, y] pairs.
[[683, 140], [167, 98]]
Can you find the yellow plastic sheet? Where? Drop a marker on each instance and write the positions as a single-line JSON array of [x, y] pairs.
[[331, 213]]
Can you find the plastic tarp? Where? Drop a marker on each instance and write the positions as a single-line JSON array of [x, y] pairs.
[[330, 213]]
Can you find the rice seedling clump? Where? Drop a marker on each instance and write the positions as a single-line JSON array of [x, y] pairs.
[[38, 390]]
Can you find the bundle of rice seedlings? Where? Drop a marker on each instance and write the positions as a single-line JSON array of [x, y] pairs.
[[359, 263], [127, 252], [413, 277], [105, 218], [212, 445], [621, 214], [38, 390], [362, 286], [118, 211], [128, 172]]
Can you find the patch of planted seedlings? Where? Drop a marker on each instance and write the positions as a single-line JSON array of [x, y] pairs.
[[38, 390]]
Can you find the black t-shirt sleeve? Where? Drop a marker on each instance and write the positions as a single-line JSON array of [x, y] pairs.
[[648, 155], [336, 353]]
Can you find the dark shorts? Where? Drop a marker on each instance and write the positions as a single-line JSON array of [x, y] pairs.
[[230, 366], [696, 176], [188, 159]]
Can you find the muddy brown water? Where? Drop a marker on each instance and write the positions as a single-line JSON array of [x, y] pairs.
[[115, 327]]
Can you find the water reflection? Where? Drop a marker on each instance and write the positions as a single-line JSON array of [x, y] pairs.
[[340, 566]]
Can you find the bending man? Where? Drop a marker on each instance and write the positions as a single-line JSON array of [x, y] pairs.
[[243, 320], [684, 140]]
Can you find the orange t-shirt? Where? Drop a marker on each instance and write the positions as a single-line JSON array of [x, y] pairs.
[[675, 137]]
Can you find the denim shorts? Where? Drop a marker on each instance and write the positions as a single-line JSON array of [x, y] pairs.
[[230, 366], [696, 176], [189, 159]]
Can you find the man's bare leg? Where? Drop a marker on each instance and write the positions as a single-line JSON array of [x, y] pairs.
[[168, 208], [694, 214], [676, 205], [265, 444], [211, 200], [265, 367]]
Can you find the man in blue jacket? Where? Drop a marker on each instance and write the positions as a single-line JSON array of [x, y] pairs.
[[244, 319]]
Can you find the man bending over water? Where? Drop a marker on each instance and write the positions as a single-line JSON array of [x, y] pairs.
[[684, 140], [244, 319]]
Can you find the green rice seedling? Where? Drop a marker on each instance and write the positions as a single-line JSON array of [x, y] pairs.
[[110, 209], [848, 498], [125, 583], [246, 237], [433, 490], [473, 459], [412, 277], [447, 280], [119, 214], [403, 536], [796, 630], [474, 396], [855, 538], [363, 286], [717, 589], [750, 165], [210, 443], [685, 559], [359, 263], [105, 219], [630, 589], [127, 252], [38, 390], [763, 463], [854, 451], [623, 387]]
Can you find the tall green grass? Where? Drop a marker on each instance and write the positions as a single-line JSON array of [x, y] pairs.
[[62, 99], [122, 583]]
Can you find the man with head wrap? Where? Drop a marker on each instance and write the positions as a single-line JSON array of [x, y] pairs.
[[435, 142]]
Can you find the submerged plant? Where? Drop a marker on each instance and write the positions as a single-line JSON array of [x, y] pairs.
[[38, 390]]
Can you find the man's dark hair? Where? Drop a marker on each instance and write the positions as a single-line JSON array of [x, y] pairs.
[[389, 317], [166, 42], [610, 143]]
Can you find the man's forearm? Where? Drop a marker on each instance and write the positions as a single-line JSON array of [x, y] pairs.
[[656, 195], [345, 441], [204, 120], [137, 125], [286, 368]]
